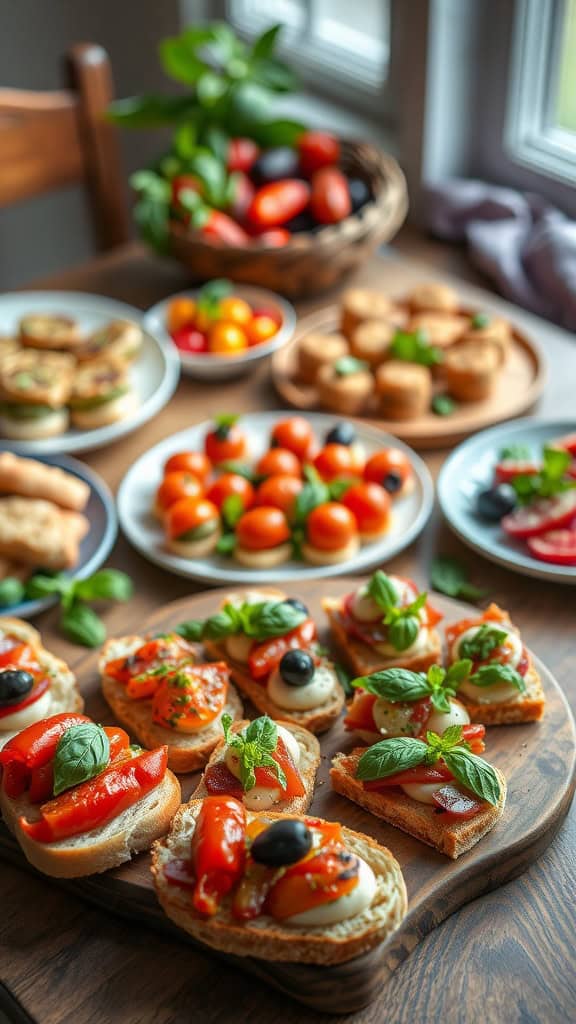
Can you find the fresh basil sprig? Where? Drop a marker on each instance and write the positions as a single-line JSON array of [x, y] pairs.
[[261, 621], [549, 481], [448, 576], [83, 751], [254, 749], [516, 452], [414, 347], [480, 646], [80, 623], [402, 686], [489, 675], [403, 621]]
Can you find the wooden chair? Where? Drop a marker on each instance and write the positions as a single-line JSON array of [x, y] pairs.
[[52, 139]]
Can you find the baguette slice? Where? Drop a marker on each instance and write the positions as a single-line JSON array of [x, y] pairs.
[[266, 938], [186, 751], [363, 659], [101, 848], [307, 767], [526, 707], [417, 819]]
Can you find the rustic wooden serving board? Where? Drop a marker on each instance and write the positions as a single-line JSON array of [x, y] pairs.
[[539, 761], [519, 385]]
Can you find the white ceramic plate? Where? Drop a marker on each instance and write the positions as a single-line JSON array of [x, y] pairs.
[[214, 367], [469, 469], [154, 374], [142, 529], [98, 542]]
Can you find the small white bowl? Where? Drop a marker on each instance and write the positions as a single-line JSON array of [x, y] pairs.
[[206, 366]]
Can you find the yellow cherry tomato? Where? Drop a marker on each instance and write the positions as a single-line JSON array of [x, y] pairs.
[[226, 338], [203, 321], [260, 329], [181, 313], [235, 309]]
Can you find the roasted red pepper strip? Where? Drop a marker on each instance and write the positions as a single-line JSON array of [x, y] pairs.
[[266, 656], [36, 745], [96, 802], [218, 850]]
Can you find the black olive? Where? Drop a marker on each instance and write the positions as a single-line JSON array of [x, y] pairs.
[[14, 685], [343, 433], [496, 502], [299, 605], [297, 668], [274, 164], [301, 222], [360, 193], [392, 482], [282, 843]]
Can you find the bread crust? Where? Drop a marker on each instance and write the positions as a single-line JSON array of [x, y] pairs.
[[527, 707], [32, 479], [363, 659], [266, 938], [417, 819]]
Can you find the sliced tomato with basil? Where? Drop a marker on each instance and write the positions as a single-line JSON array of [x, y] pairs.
[[41, 784], [456, 804], [555, 546], [219, 779], [190, 697], [422, 774], [36, 745], [265, 656], [508, 469], [541, 516]]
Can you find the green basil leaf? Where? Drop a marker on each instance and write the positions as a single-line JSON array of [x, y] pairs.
[[281, 132], [271, 619], [226, 723], [264, 732], [240, 469], [480, 646], [12, 591], [459, 672], [265, 44], [45, 586], [345, 366], [556, 462], [223, 623], [312, 494], [179, 60], [395, 685], [266, 761], [105, 585], [443, 405], [448, 576], [81, 625], [415, 348], [516, 452], [450, 737], [402, 633], [149, 111], [274, 75], [480, 320], [83, 751], [232, 510], [417, 604], [191, 630], [474, 773], [440, 700], [210, 88], [488, 675], [382, 590], [338, 487], [436, 675], [226, 544], [389, 757]]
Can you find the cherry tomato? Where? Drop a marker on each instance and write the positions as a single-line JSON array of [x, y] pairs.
[[262, 528], [279, 461], [227, 442], [242, 153], [236, 310], [222, 228], [317, 149], [541, 516], [334, 460], [177, 485], [370, 506], [280, 491], [192, 462], [390, 468], [330, 200], [227, 338], [190, 339], [331, 526], [568, 443], [188, 514], [205, 688], [181, 313], [278, 202], [229, 484], [556, 546], [260, 329], [270, 311], [294, 434]]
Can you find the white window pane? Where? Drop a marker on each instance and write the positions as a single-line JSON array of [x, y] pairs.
[[566, 90], [362, 28], [292, 13]]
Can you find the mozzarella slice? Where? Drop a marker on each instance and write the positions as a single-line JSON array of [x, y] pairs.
[[421, 644], [439, 721], [33, 713], [302, 698], [238, 647], [262, 798], [498, 693], [422, 791], [349, 905], [364, 607], [394, 719]]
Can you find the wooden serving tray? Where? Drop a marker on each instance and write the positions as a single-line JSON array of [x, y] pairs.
[[538, 760], [520, 383]]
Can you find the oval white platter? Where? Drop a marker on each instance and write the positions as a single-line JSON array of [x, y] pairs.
[[143, 530], [470, 468], [154, 375]]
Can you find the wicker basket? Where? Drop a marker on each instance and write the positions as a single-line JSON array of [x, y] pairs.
[[312, 261]]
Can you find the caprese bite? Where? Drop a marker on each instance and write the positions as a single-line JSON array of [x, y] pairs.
[[385, 623], [503, 685], [226, 441], [265, 764], [193, 527], [263, 538], [392, 469], [295, 435], [435, 788], [331, 534]]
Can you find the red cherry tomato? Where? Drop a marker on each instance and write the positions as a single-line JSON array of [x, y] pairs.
[[330, 200], [278, 202], [370, 506], [272, 312], [541, 516], [242, 153], [390, 468], [222, 228], [231, 484], [227, 443], [335, 460], [317, 149], [176, 485], [331, 526], [190, 339], [556, 546], [294, 434], [279, 461], [262, 528], [192, 462], [280, 491], [275, 238], [244, 192], [188, 514]]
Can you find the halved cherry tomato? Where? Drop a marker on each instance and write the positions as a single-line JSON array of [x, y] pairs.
[[317, 149], [280, 491], [294, 434], [278, 202], [361, 712], [541, 516], [265, 657], [190, 339], [555, 546], [370, 506], [235, 310], [457, 804], [474, 736], [231, 484], [425, 774], [222, 228], [331, 526], [226, 338], [189, 514], [279, 461], [192, 462], [330, 200], [262, 528], [242, 153], [335, 460], [227, 443], [260, 329], [218, 850], [181, 313], [191, 696], [388, 461], [508, 469], [176, 485], [313, 882]]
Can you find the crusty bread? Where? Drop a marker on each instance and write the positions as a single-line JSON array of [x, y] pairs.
[[265, 937], [527, 707], [418, 819], [186, 751], [21, 629], [315, 720], [363, 659], [32, 479], [103, 415], [307, 768], [101, 848], [37, 532]]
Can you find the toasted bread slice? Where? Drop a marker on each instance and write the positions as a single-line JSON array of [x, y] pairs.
[[526, 707], [307, 767], [186, 751], [363, 659], [315, 720], [101, 848], [417, 819], [265, 937]]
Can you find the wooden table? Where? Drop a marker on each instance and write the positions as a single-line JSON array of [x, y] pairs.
[[507, 957]]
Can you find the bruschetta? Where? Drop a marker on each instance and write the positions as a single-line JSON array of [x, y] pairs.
[[317, 350], [274, 886], [436, 788], [384, 623], [34, 683], [101, 394], [268, 765], [161, 689], [80, 799], [503, 685]]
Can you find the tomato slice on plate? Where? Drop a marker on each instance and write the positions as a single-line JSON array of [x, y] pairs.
[[508, 469], [541, 516], [568, 443], [556, 546]]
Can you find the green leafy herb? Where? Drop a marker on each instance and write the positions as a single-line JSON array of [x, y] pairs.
[[314, 492], [382, 590], [415, 348], [226, 544], [191, 630], [211, 295], [401, 685], [79, 622], [262, 621], [489, 675], [480, 320], [81, 625], [389, 757], [448, 576], [254, 749], [347, 365], [549, 481], [232, 510], [402, 620], [338, 487], [474, 773], [83, 751], [240, 469], [105, 585], [480, 646], [516, 452], [12, 591], [443, 405]]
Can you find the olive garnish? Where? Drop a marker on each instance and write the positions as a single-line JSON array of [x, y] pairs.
[[392, 482], [15, 684], [298, 605], [496, 502], [343, 433], [282, 843], [297, 668]]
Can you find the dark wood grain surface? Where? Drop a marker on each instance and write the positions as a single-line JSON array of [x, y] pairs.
[[505, 958]]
